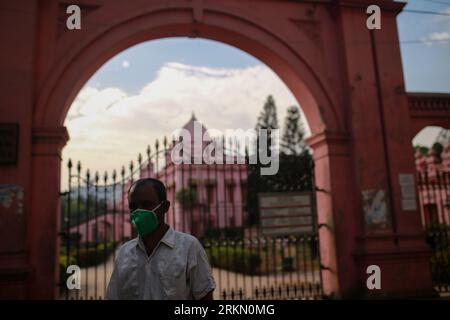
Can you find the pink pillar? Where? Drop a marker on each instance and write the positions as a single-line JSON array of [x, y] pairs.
[[44, 217], [381, 153], [338, 219]]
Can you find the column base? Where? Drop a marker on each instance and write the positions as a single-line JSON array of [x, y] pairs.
[[14, 282], [405, 271]]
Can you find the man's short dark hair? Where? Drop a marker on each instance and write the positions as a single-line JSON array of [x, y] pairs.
[[155, 183]]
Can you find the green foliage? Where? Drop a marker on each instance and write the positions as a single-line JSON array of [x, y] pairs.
[[235, 259], [268, 117], [186, 197], [440, 267], [438, 148], [91, 255], [423, 149], [295, 166], [292, 141], [294, 174], [438, 238]]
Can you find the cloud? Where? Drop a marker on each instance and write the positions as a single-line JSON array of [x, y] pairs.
[[439, 36], [109, 127], [436, 37], [440, 23]]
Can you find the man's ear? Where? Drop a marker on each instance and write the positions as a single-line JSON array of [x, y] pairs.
[[165, 206]]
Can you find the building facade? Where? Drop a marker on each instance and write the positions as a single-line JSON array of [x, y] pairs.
[[203, 196]]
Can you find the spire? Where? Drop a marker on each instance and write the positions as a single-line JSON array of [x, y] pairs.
[[193, 118]]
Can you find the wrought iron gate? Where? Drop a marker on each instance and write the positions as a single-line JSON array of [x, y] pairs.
[[216, 203], [434, 197]]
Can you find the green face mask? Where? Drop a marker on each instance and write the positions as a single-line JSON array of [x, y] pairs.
[[145, 221]]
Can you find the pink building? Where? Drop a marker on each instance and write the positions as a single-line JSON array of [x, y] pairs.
[[434, 185], [112, 226], [218, 194], [218, 189]]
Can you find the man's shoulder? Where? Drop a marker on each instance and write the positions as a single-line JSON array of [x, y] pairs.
[[127, 246], [185, 238]]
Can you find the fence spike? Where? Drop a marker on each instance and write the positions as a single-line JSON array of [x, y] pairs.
[[131, 166]]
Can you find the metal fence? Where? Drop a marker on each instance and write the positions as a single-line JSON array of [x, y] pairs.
[[434, 197], [215, 203]]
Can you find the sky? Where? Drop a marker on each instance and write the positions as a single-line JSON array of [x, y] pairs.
[[150, 89]]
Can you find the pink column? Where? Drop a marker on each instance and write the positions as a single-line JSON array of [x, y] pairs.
[[44, 217], [380, 147], [338, 219]]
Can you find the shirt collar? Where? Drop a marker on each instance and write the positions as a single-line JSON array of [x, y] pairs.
[[168, 239]]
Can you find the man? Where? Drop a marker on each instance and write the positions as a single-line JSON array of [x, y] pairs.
[[160, 263]]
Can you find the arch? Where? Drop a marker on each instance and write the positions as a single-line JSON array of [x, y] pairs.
[[70, 74], [108, 31], [428, 110], [419, 124]]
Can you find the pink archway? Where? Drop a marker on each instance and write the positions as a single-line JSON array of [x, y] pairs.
[[359, 143], [70, 74]]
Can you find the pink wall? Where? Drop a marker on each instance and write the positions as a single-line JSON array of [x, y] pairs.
[[117, 227]]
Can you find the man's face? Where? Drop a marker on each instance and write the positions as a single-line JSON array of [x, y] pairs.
[[143, 197]]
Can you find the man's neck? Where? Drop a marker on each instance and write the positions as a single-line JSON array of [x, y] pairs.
[[152, 239]]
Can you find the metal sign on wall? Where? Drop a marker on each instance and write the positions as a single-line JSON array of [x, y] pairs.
[[283, 213]]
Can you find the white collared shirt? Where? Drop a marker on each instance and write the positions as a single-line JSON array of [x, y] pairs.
[[178, 268]]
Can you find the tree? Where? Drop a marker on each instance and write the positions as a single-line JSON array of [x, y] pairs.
[[268, 117], [423, 149], [438, 148], [296, 166], [186, 197], [292, 142], [268, 120]]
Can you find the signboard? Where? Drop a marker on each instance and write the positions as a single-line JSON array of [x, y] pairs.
[[284, 213], [9, 138], [408, 191]]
